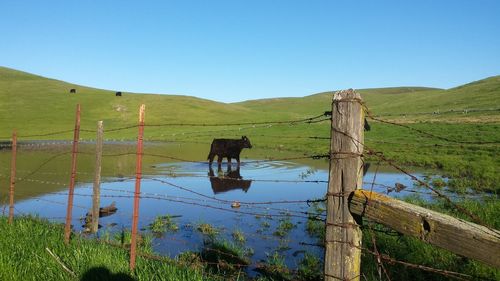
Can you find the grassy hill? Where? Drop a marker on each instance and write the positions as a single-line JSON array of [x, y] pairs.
[[34, 104], [483, 95], [375, 98]]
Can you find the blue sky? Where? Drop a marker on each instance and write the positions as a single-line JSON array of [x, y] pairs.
[[238, 50]]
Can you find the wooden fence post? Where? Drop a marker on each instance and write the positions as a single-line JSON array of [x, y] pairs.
[[76, 137], [343, 234], [138, 172], [97, 179], [12, 176]]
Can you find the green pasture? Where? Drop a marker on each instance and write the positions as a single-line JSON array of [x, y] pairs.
[[461, 142], [468, 116], [24, 256]]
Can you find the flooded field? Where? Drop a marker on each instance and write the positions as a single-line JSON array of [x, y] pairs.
[[263, 207]]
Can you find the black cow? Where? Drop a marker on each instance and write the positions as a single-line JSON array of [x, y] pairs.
[[118, 94], [229, 148], [72, 91]]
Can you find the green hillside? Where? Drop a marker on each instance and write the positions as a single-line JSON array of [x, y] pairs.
[[480, 95], [34, 104], [37, 105], [318, 102]]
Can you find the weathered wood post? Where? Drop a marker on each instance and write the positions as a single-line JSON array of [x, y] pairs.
[[343, 234], [456, 235], [97, 179], [69, 211], [12, 176], [138, 176]]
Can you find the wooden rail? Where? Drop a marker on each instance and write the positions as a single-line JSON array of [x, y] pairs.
[[458, 236]]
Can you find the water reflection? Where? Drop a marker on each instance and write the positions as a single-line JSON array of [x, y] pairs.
[[227, 181], [43, 191]]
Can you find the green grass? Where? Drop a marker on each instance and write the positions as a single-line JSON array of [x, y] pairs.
[[239, 236], [34, 104], [467, 165], [310, 268], [284, 227], [24, 257], [275, 268], [207, 229], [415, 251], [162, 224]]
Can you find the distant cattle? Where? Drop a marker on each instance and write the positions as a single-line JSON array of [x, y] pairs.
[[229, 148], [118, 94], [231, 180], [72, 91]]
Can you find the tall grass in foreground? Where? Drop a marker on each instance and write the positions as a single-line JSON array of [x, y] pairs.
[[23, 256]]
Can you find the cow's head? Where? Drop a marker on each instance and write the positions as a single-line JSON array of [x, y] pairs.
[[246, 142]]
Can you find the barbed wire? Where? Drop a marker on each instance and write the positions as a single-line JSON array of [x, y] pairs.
[[231, 201], [474, 217], [249, 205], [430, 134], [295, 158], [438, 112], [303, 120], [197, 259], [384, 159], [434, 145], [178, 124], [50, 159], [232, 210], [443, 272], [246, 179], [380, 155], [385, 257], [374, 240], [35, 180], [206, 133], [40, 134]]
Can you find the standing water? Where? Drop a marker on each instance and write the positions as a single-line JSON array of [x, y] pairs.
[[263, 209]]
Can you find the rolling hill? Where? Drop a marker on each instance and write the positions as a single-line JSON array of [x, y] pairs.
[[35, 104]]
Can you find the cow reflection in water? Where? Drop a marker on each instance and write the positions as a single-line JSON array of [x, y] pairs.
[[229, 180]]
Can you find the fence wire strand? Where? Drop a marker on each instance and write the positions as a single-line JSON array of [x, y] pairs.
[[212, 201]]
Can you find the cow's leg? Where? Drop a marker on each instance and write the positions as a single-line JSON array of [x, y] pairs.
[[229, 161], [238, 160], [219, 161], [211, 158]]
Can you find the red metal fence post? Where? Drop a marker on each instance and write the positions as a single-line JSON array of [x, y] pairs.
[[138, 172], [12, 177], [76, 137]]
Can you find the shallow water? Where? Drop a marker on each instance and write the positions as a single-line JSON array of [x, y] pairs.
[[190, 191]]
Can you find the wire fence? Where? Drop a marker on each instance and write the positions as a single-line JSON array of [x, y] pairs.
[[272, 209]]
